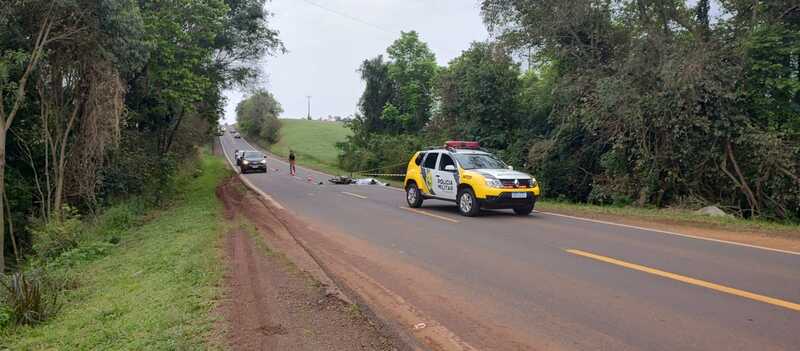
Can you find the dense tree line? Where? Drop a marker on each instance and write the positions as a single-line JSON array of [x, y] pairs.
[[646, 102], [257, 116], [101, 100]]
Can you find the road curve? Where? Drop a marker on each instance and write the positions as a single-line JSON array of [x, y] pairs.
[[502, 282]]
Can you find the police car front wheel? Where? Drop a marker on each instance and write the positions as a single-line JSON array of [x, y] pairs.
[[467, 203]]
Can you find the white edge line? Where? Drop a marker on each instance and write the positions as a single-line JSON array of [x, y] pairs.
[[341, 293], [247, 181], [673, 233]]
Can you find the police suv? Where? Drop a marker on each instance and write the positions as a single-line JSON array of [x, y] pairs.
[[472, 178]]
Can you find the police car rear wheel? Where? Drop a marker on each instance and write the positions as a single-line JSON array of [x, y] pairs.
[[467, 204], [413, 196]]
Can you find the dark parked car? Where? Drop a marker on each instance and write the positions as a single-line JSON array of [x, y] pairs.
[[253, 161]]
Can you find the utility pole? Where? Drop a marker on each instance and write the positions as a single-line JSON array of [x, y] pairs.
[[309, 106]]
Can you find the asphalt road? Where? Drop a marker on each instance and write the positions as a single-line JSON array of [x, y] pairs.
[[552, 282]]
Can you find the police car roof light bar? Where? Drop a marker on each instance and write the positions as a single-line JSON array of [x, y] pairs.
[[455, 144]]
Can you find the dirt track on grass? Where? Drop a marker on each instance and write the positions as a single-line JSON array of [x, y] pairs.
[[271, 304]]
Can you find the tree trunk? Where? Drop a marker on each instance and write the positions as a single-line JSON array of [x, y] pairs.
[[14, 246], [62, 159], [3, 132], [172, 134], [751, 198], [7, 119]]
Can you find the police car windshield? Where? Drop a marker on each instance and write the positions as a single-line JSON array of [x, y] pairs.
[[479, 161]]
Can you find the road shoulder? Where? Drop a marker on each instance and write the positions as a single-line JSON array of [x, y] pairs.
[[782, 240], [270, 302]]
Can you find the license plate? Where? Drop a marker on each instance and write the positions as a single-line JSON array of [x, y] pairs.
[[519, 195]]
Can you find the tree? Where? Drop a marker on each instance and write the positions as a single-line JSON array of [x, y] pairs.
[[478, 93], [30, 27], [257, 116], [412, 68], [95, 88], [379, 90], [675, 106]]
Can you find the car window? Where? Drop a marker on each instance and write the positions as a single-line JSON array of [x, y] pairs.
[[430, 161], [445, 161], [419, 158], [479, 161]]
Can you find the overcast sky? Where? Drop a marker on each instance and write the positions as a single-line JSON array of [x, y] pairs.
[[326, 46]]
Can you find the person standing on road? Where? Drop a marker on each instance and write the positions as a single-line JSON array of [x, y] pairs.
[[292, 169]]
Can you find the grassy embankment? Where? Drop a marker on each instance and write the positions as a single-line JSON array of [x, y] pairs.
[[315, 141], [671, 216], [314, 144], [154, 290]]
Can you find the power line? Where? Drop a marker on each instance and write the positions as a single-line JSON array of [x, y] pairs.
[[352, 18]]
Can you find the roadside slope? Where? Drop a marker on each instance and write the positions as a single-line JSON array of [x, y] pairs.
[[155, 290], [314, 142], [272, 300]]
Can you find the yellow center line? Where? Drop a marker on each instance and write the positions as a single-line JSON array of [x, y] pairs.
[[430, 215], [689, 280], [354, 195]]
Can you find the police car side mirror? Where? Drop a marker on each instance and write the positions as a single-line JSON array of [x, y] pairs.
[[450, 168], [510, 168]]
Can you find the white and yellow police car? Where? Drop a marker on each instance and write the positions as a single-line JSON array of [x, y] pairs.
[[472, 178]]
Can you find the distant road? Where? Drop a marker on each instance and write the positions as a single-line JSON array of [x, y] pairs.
[[502, 282]]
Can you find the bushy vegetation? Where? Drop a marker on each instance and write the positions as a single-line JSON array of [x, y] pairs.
[[395, 106], [28, 298], [257, 117], [648, 103], [138, 278], [105, 100]]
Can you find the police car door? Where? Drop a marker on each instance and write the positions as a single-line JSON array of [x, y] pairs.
[[446, 177], [428, 169]]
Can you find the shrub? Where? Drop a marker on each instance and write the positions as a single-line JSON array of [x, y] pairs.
[[382, 153], [29, 297], [5, 316], [117, 219], [53, 237], [84, 253]]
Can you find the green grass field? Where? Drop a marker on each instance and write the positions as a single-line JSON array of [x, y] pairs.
[[313, 142], [155, 290]]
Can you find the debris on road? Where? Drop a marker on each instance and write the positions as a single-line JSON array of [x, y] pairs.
[[420, 326], [369, 181], [361, 181], [341, 180]]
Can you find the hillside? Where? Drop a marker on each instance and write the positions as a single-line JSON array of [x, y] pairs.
[[139, 280], [313, 142]]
